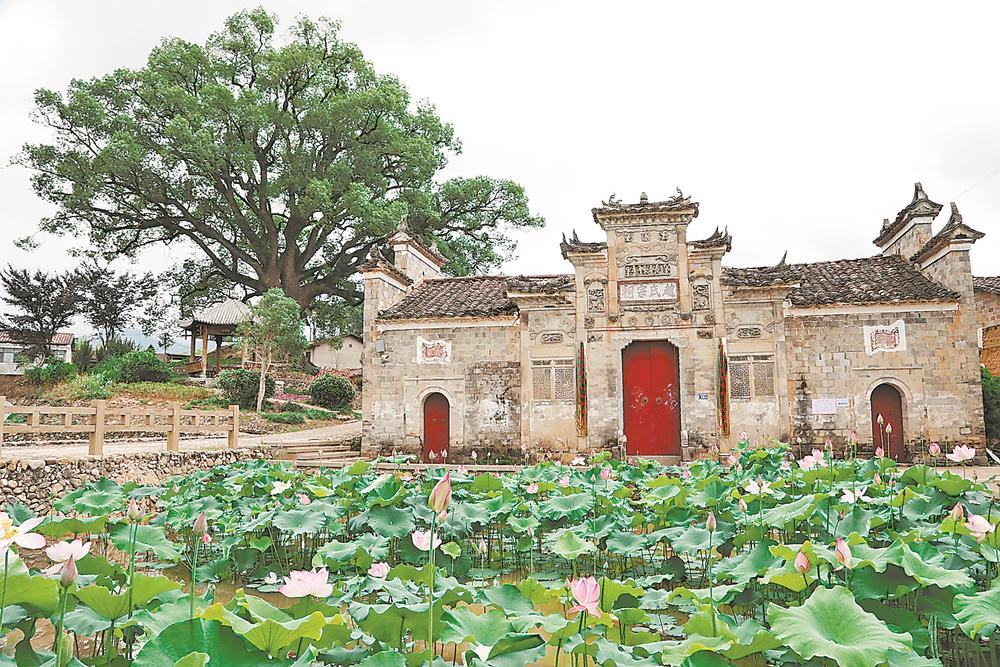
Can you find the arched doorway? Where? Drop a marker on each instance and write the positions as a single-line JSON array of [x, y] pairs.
[[651, 398], [437, 421], [887, 420]]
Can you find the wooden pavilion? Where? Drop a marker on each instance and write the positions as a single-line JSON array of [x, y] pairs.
[[216, 322]]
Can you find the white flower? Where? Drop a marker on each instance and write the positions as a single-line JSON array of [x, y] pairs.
[[758, 487], [60, 552], [271, 579], [277, 488], [579, 461], [852, 497]]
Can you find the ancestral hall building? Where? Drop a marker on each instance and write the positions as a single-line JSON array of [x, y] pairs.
[[652, 337]]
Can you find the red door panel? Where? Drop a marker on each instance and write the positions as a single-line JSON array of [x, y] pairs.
[[437, 413], [887, 402], [651, 398]]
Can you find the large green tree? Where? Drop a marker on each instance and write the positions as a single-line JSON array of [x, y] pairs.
[[283, 162]]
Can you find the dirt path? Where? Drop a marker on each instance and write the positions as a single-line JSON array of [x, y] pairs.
[[335, 432]]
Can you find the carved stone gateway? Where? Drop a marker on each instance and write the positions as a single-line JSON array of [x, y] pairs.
[[647, 292], [701, 296]]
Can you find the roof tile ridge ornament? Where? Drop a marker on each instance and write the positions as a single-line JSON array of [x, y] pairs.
[[955, 230], [716, 239], [643, 199], [920, 206], [956, 218], [783, 262]]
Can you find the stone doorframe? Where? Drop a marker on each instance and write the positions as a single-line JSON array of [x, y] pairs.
[[621, 340], [416, 392], [909, 428]]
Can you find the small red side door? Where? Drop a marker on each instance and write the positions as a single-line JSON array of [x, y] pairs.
[[436, 425], [651, 398], [888, 404]]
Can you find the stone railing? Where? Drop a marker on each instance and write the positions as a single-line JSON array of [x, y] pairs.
[[99, 419]]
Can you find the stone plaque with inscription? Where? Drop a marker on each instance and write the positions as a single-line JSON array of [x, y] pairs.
[[660, 291]]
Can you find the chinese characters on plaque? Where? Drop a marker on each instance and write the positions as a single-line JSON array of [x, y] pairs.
[[644, 292]]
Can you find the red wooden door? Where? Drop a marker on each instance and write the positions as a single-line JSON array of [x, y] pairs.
[[651, 398], [887, 403], [437, 415]]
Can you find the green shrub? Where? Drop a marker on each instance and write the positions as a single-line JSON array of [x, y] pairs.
[[991, 404], [331, 391], [88, 388], [285, 417], [114, 348], [50, 373], [83, 354], [320, 415], [143, 366], [240, 386]]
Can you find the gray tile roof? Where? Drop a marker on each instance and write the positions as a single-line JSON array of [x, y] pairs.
[[989, 284], [869, 280], [470, 296], [61, 338]]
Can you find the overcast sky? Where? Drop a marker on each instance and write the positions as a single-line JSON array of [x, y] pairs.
[[796, 127]]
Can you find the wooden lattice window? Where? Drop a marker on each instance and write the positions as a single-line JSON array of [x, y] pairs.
[[553, 380], [751, 376]]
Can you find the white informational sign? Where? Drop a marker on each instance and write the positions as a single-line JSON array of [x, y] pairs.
[[824, 406], [433, 351], [665, 290], [843, 402], [889, 338]]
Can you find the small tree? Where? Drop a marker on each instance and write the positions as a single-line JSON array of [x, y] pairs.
[[111, 301], [274, 330], [44, 303]]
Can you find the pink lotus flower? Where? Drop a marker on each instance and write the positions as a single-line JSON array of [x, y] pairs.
[[853, 497], [206, 538], [605, 474], [710, 523], [200, 526], [532, 488], [686, 474], [564, 481], [732, 460], [843, 552], [20, 535], [304, 499], [69, 573], [462, 470], [879, 452], [739, 467], [801, 563], [378, 570], [961, 454], [587, 593], [957, 512], [979, 527], [743, 435], [60, 552], [302, 583], [743, 506], [441, 495], [422, 540], [813, 460], [934, 449], [786, 465], [877, 479], [758, 487]]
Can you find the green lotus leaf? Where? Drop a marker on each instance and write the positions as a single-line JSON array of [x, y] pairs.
[[571, 506], [614, 655], [928, 574], [979, 613], [195, 659], [678, 653], [462, 624], [60, 526], [508, 598], [113, 606], [952, 484], [515, 650], [693, 540], [570, 546], [147, 538], [34, 592], [625, 544], [797, 510], [893, 583], [384, 659], [220, 643], [100, 498], [390, 521], [830, 624], [269, 635]]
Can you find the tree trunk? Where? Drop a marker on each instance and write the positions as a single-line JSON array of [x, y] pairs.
[[265, 362]]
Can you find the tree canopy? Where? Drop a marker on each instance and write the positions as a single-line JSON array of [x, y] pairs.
[[282, 164], [43, 304], [111, 302]]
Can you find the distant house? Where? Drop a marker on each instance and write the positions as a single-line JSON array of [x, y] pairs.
[[347, 357], [12, 351]]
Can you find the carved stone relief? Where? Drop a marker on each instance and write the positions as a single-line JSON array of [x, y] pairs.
[[749, 325], [645, 266], [701, 296], [596, 298]]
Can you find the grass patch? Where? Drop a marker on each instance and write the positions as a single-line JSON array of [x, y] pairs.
[[285, 417], [162, 391]]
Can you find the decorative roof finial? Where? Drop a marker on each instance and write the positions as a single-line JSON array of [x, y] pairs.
[[885, 223], [918, 193], [643, 199], [784, 261], [612, 202], [956, 217]]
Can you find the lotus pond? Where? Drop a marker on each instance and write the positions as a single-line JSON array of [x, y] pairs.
[[767, 561]]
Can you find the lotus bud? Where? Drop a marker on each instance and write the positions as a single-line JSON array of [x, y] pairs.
[[441, 495], [801, 563], [877, 479], [957, 512], [843, 552], [879, 452], [206, 538], [934, 449], [605, 474], [710, 523], [743, 506], [69, 573], [133, 511], [474, 455], [888, 429], [880, 419], [200, 526]]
